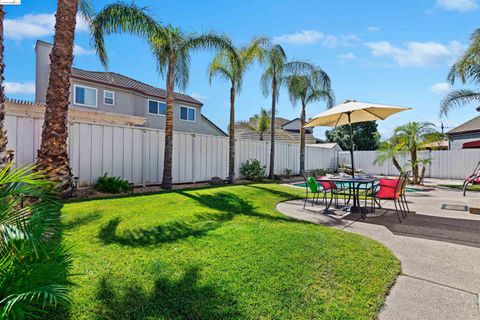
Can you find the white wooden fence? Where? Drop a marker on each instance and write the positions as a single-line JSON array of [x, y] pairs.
[[452, 164], [136, 154]]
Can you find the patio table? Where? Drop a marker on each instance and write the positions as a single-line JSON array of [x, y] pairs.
[[354, 186]]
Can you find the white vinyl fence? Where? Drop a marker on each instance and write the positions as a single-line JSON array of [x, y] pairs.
[[452, 164], [136, 154]]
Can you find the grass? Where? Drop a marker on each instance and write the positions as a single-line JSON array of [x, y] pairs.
[[218, 253], [459, 186]]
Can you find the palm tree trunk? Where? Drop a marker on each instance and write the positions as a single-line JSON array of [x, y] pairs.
[[414, 165], [53, 156], [271, 173], [396, 164], [5, 155], [302, 139], [168, 151], [231, 138]]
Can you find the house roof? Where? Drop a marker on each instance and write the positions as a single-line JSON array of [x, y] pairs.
[[472, 125], [245, 132], [325, 145], [121, 81], [36, 110]]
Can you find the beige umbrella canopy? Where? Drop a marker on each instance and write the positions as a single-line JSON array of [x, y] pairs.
[[352, 112]]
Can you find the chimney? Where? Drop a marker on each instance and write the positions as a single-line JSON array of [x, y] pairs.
[[42, 70]]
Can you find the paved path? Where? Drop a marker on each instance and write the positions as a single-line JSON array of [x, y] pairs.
[[439, 251]]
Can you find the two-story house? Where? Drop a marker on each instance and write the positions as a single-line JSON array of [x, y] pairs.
[[113, 93]]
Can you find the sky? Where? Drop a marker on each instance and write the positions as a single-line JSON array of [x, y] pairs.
[[391, 52]]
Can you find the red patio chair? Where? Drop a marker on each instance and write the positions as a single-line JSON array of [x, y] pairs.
[[391, 189]]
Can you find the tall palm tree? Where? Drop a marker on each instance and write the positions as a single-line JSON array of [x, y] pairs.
[[5, 154], [171, 47], [271, 82], [53, 156], [467, 69], [307, 84], [261, 123], [413, 136], [231, 67]]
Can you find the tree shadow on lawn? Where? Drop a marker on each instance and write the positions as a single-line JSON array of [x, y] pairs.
[[184, 298], [227, 204], [231, 204], [81, 220]]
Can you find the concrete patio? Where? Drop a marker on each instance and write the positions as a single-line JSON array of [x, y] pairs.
[[439, 250]]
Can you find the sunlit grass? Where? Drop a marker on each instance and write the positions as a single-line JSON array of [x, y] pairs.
[[219, 253]]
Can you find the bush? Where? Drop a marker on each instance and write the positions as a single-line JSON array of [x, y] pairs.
[[288, 173], [34, 266], [112, 184], [252, 170]]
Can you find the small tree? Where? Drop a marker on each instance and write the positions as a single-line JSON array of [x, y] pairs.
[[365, 136], [261, 123], [390, 150]]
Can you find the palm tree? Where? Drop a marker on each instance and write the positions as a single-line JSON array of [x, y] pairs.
[[53, 156], [271, 82], [171, 47], [413, 136], [33, 264], [467, 68], [261, 123], [5, 154], [231, 67], [390, 150], [307, 84]]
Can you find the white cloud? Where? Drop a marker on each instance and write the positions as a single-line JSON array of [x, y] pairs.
[[417, 54], [20, 87], [198, 96], [36, 26], [79, 51], [373, 29], [347, 56], [313, 36], [458, 5], [441, 88]]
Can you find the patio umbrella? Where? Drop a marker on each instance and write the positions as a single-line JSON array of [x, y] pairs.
[[350, 112]]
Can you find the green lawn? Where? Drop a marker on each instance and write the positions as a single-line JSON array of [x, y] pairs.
[[459, 186], [219, 253]]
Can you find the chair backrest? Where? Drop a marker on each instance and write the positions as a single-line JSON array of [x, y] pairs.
[[391, 188], [312, 184], [400, 184]]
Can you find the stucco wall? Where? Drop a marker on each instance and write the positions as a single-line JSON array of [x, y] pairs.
[[457, 141], [126, 102]]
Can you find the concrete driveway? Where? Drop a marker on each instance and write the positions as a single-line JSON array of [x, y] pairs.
[[439, 250]]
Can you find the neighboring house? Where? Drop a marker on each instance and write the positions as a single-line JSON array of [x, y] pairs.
[[287, 131], [113, 93], [466, 135], [327, 145]]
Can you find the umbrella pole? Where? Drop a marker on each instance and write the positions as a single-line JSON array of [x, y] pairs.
[[356, 201], [351, 145]]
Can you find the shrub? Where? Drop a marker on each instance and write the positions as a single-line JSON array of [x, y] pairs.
[[34, 266], [288, 173], [252, 170], [111, 184]]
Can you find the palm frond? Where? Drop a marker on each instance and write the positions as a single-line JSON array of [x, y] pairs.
[[458, 98], [121, 18], [463, 66]]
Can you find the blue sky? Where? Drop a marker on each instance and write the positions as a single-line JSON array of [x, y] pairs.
[[392, 52]]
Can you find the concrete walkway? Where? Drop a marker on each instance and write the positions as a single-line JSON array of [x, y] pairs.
[[439, 251]]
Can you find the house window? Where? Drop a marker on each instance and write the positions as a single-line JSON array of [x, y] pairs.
[[109, 97], [85, 96], [156, 107], [187, 114]]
